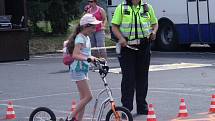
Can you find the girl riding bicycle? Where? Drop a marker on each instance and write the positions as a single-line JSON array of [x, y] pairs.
[[80, 48]]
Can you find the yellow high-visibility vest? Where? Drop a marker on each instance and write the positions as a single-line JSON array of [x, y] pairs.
[[135, 22]]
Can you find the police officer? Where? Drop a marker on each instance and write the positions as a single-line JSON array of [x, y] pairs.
[[134, 23]]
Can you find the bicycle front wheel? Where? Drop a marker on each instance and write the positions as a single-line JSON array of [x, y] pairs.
[[124, 113], [42, 114]]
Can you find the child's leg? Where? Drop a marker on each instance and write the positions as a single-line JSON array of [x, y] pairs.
[[81, 113], [85, 96]]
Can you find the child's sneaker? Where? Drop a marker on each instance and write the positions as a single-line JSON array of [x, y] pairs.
[[73, 119]]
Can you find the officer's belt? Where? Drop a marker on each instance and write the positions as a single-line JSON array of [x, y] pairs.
[[134, 42]]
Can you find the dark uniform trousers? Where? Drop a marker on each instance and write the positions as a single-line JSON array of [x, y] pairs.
[[135, 67]]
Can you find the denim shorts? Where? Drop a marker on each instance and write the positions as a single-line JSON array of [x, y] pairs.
[[78, 76]]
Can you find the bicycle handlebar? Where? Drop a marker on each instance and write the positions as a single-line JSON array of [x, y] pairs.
[[101, 63], [89, 60], [98, 60]]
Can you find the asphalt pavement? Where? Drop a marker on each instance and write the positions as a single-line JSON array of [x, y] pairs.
[[44, 81]]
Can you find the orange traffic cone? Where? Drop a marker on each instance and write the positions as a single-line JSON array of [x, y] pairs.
[[151, 114], [72, 110], [10, 114], [212, 106], [74, 107], [182, 109]]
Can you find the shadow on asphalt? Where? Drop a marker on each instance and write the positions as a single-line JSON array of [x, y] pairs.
[[61, 71]]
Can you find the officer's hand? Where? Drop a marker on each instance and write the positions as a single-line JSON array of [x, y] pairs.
[[152, 36], [122, 42]]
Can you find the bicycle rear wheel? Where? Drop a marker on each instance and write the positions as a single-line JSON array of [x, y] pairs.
[[42, 114], [125, 115]]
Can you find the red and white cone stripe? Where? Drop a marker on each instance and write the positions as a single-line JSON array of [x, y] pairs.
[[10, 113], [151, 114], [182, 109], [73, 106], [212, 106]]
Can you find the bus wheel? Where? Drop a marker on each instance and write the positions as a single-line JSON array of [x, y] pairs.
[[166, 36]]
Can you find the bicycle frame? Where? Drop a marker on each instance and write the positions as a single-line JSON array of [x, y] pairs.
[[107, 100], [113, 113]]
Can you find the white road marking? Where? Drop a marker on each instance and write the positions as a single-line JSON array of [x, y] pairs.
[[177, 93], [23, 64], [152, 90], [167, 67], [32, 108], [85, 118], [97, 90], [50, 95], [33, 97]]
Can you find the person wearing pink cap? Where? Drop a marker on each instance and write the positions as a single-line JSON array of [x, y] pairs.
[[79, 40], [98, 37]]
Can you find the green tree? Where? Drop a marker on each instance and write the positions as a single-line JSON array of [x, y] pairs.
[[58, 12], [59, 20], [36, 13]]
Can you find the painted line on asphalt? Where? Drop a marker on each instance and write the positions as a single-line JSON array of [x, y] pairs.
[[33, 97], [208, 117], [185, 89], [23, 64], [161, 90], [165, 67], [87, 115], [50, 95], [19, 106], [178, 93], [150, 89], [32, 108], [85, 118]]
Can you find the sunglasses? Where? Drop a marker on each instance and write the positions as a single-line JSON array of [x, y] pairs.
[[90, 25], [90, 1]]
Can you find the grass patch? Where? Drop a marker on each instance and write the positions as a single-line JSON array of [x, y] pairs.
[[49, 44], [39, 45]]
